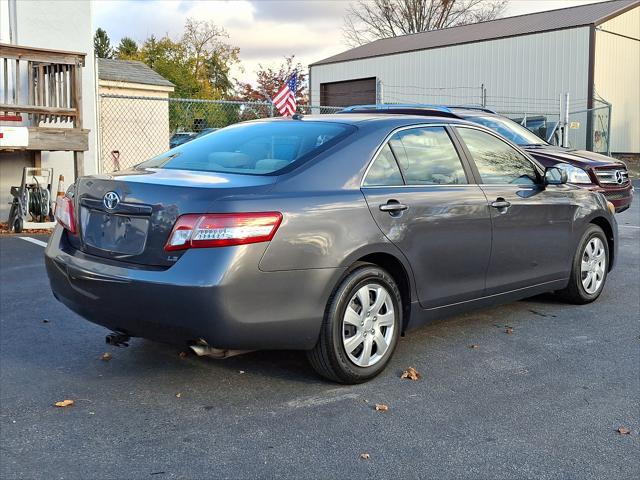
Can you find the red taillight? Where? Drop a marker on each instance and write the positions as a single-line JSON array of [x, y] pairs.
[[65, 214], [222, 229]]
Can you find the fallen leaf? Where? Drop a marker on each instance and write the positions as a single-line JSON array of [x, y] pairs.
[[64, 403], [178, 395], [381, 407], [473, 346], [624, 431], [365, 456], [411, 373], [106, 356], [183, 354]]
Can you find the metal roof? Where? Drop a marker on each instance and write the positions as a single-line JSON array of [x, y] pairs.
[[571, 17], [129, 71]]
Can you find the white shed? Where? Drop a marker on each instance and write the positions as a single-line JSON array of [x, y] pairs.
[[516, 65], [131, 95]]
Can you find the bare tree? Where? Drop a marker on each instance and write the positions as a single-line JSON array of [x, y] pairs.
[[368, 20]]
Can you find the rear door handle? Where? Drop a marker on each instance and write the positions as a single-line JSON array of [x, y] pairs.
[[393, 207]]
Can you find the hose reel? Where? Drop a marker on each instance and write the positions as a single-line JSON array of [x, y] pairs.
[[31, 199]]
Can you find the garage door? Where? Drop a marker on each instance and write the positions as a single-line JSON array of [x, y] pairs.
[[351, 92]]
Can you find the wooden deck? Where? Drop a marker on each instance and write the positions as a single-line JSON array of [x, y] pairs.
[[49, 102]]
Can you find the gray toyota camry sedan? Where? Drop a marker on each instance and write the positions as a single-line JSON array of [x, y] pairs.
[[330, 234]]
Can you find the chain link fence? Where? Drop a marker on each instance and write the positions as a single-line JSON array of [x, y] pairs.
[[136, 128], [540, 115], [587, 128], [408, 94]]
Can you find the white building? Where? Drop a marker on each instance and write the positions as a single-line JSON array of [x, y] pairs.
[[524, 63], [55, 28]]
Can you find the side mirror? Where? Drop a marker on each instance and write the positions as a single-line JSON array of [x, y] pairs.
[[555, 176]]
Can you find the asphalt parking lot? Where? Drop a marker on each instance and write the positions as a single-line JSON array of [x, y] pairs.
[[544, 401]]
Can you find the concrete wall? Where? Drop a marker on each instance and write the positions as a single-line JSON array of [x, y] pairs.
[[539, 67], [137, 128], [58, 25], [617, 78]]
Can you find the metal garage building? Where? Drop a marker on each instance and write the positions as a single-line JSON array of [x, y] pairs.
[[519, 65]]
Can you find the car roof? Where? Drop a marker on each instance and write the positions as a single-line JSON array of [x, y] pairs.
[[381, 119]]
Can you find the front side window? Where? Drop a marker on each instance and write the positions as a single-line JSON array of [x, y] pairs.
[[427, 157], [256, 148], [384, 171], [497, 162]]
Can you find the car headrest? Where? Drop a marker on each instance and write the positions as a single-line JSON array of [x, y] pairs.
[[271, 164], [229, 159]]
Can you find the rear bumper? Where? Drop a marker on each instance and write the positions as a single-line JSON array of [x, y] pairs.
[[216, 294]]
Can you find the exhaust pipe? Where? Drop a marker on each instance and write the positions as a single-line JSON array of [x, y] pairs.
[[202, 349], [117, 339]]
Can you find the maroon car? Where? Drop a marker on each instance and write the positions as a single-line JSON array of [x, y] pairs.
[[586, 169]]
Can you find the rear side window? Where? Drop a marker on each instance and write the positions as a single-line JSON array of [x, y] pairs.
[[259, 148], [427, 157], [384, 171], [497, 161]]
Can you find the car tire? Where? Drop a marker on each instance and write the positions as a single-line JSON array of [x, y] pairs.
[[593, 249], [370, 332]]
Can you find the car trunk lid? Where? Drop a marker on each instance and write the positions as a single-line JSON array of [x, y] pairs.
[[128, 216]]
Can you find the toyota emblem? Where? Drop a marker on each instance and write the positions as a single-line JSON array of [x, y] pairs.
[[111, 200], [618, 176]]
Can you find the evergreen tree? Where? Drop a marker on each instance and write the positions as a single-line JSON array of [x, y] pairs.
[[127, 49], [102, 44]]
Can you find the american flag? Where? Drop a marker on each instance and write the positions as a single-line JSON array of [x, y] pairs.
[[285, 99]]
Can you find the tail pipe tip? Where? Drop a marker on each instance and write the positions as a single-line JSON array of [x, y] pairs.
[[117, 339]]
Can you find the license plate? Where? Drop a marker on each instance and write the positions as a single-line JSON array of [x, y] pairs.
[[115, 233]]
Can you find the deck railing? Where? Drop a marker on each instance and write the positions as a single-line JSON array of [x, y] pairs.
[[51, 90], [41, 89]]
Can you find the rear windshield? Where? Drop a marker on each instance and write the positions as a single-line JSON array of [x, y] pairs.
[[259, 148]]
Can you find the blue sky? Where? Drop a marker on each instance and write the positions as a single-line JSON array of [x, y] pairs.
[[265, 30]]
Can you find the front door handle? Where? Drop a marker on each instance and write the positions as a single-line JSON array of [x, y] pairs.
[[392, 206], [501, 204]]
